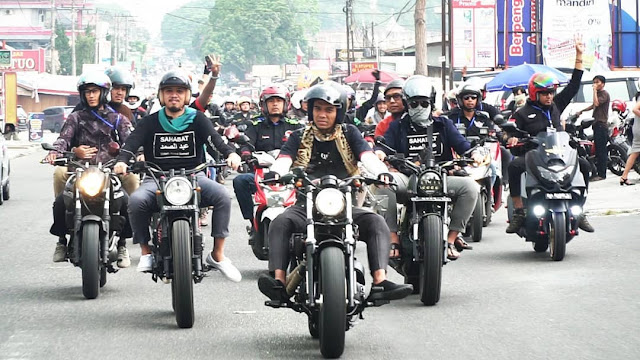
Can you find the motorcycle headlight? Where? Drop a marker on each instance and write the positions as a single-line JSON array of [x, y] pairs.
[[91, 182], [178, 191], [330, 202], [429, 183], [556, 173]]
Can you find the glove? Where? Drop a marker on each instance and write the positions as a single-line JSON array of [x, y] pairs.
[[376, 74]]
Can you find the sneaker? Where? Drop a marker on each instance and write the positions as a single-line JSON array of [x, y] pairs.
[[388, 290], [272, 288], [583, 224], [516, 222], [60, 255], [123, 257], [204, 220], [226, 268], [145, 263]]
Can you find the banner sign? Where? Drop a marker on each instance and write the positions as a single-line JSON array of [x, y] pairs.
[[26, 60], [5, 58], [561, 19], [474, 33], [35, 128], [522, 24], [359, 66]]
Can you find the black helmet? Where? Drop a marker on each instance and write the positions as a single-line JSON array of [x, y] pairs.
[[394, 84], [94, 78], [174, 78], [331, 92]]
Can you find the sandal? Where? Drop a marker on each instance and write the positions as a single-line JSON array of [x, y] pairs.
[[395, 247], [460, 244], [452, 253], [625, 181]]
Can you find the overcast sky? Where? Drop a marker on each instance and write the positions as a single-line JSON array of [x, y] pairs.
[[148, 13]]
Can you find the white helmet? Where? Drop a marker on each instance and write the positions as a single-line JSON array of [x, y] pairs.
[[134, 93], [297, 98]]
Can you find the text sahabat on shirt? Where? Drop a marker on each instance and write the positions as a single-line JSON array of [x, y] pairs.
[[418, 143], [167, 145]]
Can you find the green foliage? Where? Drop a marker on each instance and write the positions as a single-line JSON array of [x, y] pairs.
[[85, 49], [248, 32], [64, 50], [178, 27]]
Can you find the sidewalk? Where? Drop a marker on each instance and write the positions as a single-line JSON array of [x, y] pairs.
[[22, 147], [607, 197]]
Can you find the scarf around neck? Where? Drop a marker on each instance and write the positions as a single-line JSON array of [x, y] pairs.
[[311, 132], [178, 124]]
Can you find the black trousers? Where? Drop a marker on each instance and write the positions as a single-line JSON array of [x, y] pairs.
[[518, 166], [59, 227], [600, 139], [372, 228]]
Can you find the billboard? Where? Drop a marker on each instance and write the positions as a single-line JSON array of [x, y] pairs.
[[473, 30], [519, 42], [562, 19], [26, 60]]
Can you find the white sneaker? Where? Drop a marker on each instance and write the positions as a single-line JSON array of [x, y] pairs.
[[145, 263], [123, 257], [226, 268]]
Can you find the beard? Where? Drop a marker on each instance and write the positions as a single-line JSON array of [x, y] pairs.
[[174, 108]]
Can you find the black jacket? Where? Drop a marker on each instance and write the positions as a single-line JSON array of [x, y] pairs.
[[264, 135]]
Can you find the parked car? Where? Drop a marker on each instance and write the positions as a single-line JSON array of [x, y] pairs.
[[4, 171], [55, 116], [22, 118]]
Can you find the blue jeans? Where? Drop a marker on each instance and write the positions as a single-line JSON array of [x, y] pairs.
[[143, 203], [244, 186]]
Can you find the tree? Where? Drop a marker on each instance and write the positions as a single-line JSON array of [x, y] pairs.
[[85, 49], [421, 37], [249, 32], [179, 26], [64, 50]]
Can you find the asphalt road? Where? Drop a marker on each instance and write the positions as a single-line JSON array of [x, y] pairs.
[[499, 301]]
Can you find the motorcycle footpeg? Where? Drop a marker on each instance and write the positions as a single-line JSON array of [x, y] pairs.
[[276, 304], [377, 303], [112, 270]]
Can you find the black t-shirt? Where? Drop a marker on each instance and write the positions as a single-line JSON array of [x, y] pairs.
[[325, 158], [175, 150]]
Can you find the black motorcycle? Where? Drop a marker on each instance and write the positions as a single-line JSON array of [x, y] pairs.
[[177, 242], [326, 280], [553, 190], [93, 197], [424, 228]]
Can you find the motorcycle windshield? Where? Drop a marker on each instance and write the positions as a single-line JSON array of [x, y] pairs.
[[555, 146]]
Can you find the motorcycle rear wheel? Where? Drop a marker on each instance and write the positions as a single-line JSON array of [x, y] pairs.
[[332, 319], [616, 160], [257, 245], [558, 236], [488, 209], [90, 260], [432, 259], [182, 282]]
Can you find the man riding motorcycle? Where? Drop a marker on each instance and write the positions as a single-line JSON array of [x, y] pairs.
[[267, 132], [327, 146], [408, 136], [174, 138], [89, 133], [244, 115]]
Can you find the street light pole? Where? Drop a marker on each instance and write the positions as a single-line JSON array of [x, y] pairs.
[[346, 10]]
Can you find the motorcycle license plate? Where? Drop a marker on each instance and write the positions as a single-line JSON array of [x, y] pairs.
[[178, 207], [431, 198], [558, 196]]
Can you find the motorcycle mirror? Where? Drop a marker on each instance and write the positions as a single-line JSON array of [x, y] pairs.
[[506, 113], [380, 140], [47, 146], [242, 140], [498, 119], [483, 114]]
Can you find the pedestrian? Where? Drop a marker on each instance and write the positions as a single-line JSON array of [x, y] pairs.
[[635, 145], [600, 108]]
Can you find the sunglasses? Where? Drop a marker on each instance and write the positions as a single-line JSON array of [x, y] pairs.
[[469, 97], [424, 103], [547, 92], [395, 97]]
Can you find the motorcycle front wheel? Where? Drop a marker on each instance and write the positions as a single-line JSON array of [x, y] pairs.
[[477, 218], [332, 319], [432, 257], [90, 260], [558, 236], [182, 282], [617, 159]]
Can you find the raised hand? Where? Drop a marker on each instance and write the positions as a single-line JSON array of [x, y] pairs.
[[213, 64]]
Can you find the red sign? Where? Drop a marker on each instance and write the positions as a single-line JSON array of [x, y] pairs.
[[359, 66], [27, 60]]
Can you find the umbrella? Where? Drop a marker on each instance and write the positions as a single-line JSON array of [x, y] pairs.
[[520, 75], [365, 76]]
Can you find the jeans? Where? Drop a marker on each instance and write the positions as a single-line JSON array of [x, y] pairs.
[[601, 138], [372, 228], [244, 186], [143, 203]]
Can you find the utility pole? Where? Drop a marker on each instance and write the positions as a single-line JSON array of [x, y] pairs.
[[443, 43], [126, 38], [346, 10], [53, 37], [73, 39], [96, 45], [421, 37]]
